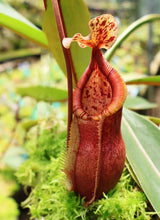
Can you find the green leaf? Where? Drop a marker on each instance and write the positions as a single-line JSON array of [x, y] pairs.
[[148, 80], [141, 21], [41, 93], [13, 20], [138, 103], [142, 140], [76, 18], [21, 53], [155, 120], [129, 168], [29, 124]]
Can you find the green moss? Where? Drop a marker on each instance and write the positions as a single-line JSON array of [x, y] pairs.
[[49, 198], [123, 202]]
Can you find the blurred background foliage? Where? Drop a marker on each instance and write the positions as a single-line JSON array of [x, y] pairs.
[[139, 54]]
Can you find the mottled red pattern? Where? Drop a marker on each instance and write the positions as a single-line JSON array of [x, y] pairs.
[[97, 93], [103, 34], [96, 152]]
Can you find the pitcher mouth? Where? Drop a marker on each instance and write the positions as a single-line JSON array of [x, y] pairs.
[[117, 85]]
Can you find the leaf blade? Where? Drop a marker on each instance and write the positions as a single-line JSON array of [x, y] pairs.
[[14, 21], [41, 93], [146, 80], [141, 21], [144, 159], [138, 103], [21, 53]]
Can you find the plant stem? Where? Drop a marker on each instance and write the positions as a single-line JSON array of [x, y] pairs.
[[45, 4], [145, 19], [67, 56]]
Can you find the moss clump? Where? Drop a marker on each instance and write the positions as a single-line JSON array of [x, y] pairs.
[[49, 198], [123, 202]]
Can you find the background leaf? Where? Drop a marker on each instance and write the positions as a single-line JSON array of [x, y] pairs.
[[141, 21], [21, 53], [155, 120], [29, 124], [148, 80], [142, 140], [138, 103], [41, 93], [76, 18], [13, 20]]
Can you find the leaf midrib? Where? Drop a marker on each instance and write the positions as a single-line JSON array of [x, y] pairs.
[[141, 147]]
